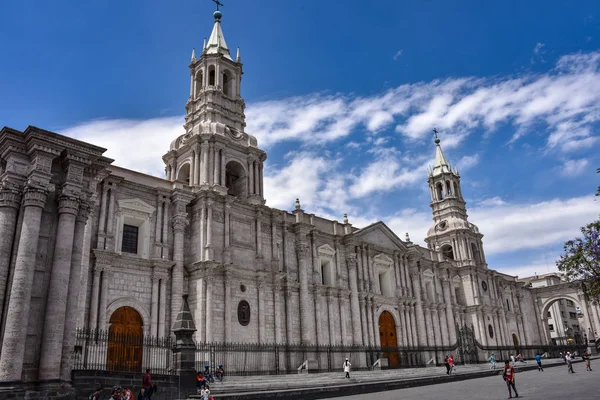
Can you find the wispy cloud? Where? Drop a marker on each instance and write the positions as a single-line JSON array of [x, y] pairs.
[[538, 53], [574, 167], [398, 54]]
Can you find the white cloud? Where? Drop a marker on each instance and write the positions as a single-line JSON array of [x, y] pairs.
[[467, 162], [574, 167], [511, 227], [133, 144], [538, 53], [398, 54], [493, 201]]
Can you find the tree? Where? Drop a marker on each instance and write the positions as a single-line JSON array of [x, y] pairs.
[[581, 260]]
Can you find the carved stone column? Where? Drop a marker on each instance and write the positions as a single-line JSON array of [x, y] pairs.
[[223, 167], [354, 303], [208, 250], [303, 253], [364, 339], [422, 332], [370, 325], [93, 323], [317, 314], [260, 289], [204, 168], [376, 337], [162, 306], [54, 321], [154, 305], [250, 176], [103, 297], [74, 291], [277, 312], [10, 202], [227, 308], [17, 315], [343, 319], [179, 222], [449, 315], [217, 166]]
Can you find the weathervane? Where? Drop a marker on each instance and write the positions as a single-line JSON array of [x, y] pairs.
[[218, 3]]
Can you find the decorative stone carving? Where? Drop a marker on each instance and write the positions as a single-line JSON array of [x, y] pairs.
[[244, 313], [351, 259], [302, 249], [218, 216], [42, 163], [75, 174], [180, 222], [10, 194], [68, 202], [265, 227], [35, 193]]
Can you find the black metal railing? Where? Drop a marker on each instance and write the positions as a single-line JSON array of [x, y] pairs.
[[274, 359], [122, 352]]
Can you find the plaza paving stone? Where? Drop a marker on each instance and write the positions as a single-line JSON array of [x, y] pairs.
[[552, 383]]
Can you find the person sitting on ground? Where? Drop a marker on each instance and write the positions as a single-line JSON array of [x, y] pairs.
[[200, 382], [116, 393], [220, 373], [206, 393], [96, 394]]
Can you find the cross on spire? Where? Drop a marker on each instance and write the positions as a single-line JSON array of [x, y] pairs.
[[218, 3], [435, 132]]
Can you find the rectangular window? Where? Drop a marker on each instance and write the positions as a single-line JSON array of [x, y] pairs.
[[572, 315], [130, 239], [326, 273], [549, 314], [562, 313], [551, 327], [570, 303], [507, 305]]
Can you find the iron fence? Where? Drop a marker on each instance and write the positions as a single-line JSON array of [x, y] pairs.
[[122, 352], [274, 359]]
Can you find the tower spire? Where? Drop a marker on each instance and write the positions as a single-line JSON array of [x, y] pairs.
[[441, 165], [216, 43]]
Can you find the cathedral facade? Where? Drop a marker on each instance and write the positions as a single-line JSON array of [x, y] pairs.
[[87, 244]]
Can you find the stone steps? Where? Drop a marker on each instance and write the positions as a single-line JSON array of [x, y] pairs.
[[247, 386]]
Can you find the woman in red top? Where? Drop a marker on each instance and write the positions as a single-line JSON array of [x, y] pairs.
[[509, 377]]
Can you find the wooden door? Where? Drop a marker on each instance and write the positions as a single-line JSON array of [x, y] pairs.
[[125, 339], [389, 341]]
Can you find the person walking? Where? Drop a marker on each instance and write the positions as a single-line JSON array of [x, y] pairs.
[[447, 364], [347, 368], [538, 360], [569, 359], [451, 362], [509, 378], [147, 386], [586, 358], [492, 361]]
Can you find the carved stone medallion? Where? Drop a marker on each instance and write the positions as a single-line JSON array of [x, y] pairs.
[[244, 313]]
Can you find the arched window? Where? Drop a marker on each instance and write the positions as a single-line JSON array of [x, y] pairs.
[[476, 253], [235, 179], [184, 174], [227, 83], [199, 83], [439, 191], [448, 188], [447, 252], [211, 76]]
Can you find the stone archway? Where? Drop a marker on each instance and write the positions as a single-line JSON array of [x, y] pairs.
[[388, 338], [125, 340]]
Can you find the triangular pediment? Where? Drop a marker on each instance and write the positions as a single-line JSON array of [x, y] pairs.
[[381, 235], [137, 205]]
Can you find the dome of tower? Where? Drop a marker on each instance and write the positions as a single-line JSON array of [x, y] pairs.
[[217, 14]]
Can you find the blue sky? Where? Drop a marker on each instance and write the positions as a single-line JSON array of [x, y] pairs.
[[343, 99]]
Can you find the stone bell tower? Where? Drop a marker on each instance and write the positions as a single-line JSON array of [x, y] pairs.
[[215, 152], [452, 235]]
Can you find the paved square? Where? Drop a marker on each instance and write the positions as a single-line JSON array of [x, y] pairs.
[[553, 383]]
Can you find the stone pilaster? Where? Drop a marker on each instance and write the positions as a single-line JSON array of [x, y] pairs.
[[449, 316], [154, 305], [260, 289], [17, 315], [75, 291], [162, 306], [277, 312], [10, 202], [56, 308], [95, 298], [364, 339], [227, 308], [303, 253], [179, 222], [354, 303], [422, 332]]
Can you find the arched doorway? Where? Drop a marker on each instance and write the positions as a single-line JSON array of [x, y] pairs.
[[235, 179], [515, 340], [125, 338], [389, 341]]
